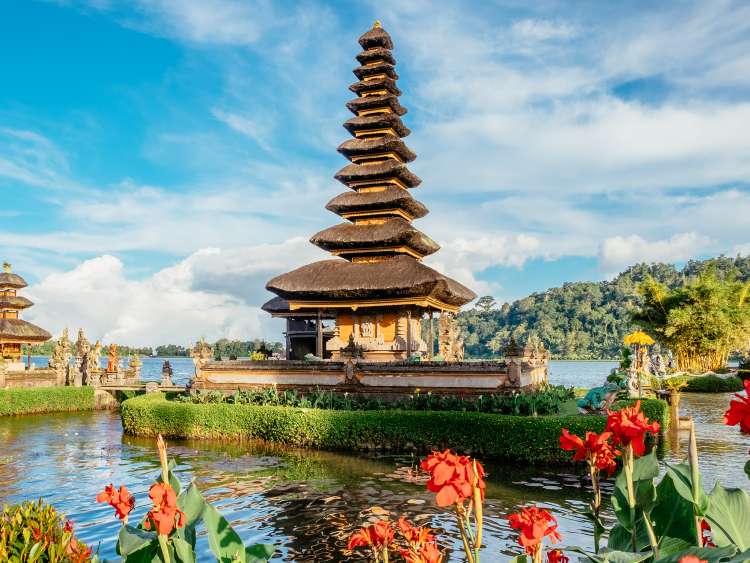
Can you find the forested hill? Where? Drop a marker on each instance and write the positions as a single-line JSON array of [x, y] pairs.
[[580, 320]]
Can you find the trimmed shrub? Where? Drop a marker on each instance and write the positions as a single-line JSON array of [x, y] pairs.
[[711, 384], [46, 399], [523, 439]]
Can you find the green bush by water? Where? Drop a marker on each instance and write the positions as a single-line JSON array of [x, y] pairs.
[[523, 439], [548, 400], [710, 384], [46, 399]]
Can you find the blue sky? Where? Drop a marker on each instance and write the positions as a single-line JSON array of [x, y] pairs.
[[161, 159]]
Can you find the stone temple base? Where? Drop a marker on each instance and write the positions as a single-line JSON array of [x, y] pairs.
[[381, 378]]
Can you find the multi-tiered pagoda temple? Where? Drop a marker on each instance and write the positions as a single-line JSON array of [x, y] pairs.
[[376, 288], [14, 332]]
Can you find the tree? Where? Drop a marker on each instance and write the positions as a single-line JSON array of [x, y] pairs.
[[485, 304], [702, 321]]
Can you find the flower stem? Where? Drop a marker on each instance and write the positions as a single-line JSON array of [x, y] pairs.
[[651, 536], [477, 513], [385, 554], [695, 482], [164, 548], [462, 528], [596, 503], [627, 467], [161, 447]]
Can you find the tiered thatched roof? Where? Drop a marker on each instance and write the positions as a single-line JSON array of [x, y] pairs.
[[380, 247], [13, 329]]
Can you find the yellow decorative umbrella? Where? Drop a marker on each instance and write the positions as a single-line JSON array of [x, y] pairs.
[[638, 338]]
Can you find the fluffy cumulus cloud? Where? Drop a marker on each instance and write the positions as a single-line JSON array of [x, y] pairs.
[[619, 252]]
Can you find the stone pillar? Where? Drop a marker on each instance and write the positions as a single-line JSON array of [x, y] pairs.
[[409, 337], [319, 335]]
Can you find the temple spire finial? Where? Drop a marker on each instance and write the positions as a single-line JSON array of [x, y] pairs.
[[376, 24], [6, 267]]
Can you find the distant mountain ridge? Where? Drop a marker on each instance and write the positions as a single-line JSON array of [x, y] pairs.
[[580, 320]]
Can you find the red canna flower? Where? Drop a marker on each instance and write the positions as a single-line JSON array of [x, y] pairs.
[[451, 477], [164, 515], [378, 535], [428, 553], [534, 525], [415, 536], [557, 556], [739, 411], [629, 426], [595, 449], [706, 534], [77, 552], [121, 500], [692, 559]]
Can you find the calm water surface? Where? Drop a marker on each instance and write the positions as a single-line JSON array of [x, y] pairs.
[[308, 502]]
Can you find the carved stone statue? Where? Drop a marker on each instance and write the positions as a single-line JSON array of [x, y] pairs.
[[450, 343], [60, 360], [598, 399], [94, 364], [83, 347], [113, 359], [201, 353]]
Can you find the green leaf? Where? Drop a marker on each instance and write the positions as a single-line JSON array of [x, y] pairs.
[[262, 552], [683, 483], [709, 554], [612, 556], [132, 539], [619, 537], [519, 559], [672, 514], [729, 514], [645, 469], [183, 550], [192, 503], [747, 468], [225, 544]]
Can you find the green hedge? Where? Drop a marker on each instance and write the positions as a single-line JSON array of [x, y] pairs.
[[654, 409], [514, 438], [46, 399], [711, 384]]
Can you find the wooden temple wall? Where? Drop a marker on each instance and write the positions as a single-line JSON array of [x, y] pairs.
[[383, 378]]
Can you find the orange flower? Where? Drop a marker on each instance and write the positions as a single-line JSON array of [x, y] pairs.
[[77, 552], [428, 553], [596, 449], [379, 535], [452, 477], [557, 556], [534, 524], [122, 501], [164, 515], [739, 411], [629, 427], [692, 559], [415, 536]]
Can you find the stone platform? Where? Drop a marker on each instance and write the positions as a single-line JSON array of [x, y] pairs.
[[381, 378]]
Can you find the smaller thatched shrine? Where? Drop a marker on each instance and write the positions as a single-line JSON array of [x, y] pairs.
[[14, 331]]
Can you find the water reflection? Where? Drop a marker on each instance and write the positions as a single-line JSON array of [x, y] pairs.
[[306, 502]]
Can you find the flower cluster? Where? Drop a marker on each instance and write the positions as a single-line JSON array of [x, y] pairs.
[[121, 500], [164, 515], [452, 477], [422, 543], [379, 535], [739, 410], [534, 524], [594, 449], [629, 426]]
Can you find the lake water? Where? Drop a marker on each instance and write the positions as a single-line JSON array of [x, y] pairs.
[[308, 502]]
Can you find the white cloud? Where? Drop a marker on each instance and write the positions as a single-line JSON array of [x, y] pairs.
[[542, 30], [619, 252], [212, 293], [251, 128]]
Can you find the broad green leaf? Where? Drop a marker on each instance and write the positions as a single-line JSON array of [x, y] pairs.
[[683, 483], [148, 554], [225, 544], [743, 557], [710, 554], [132, 539], [669, 545], [620, 539], [192, 503], [612, 556], [729, 517], [672, 514], [183, 550], [262, 552], [645, 469]]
